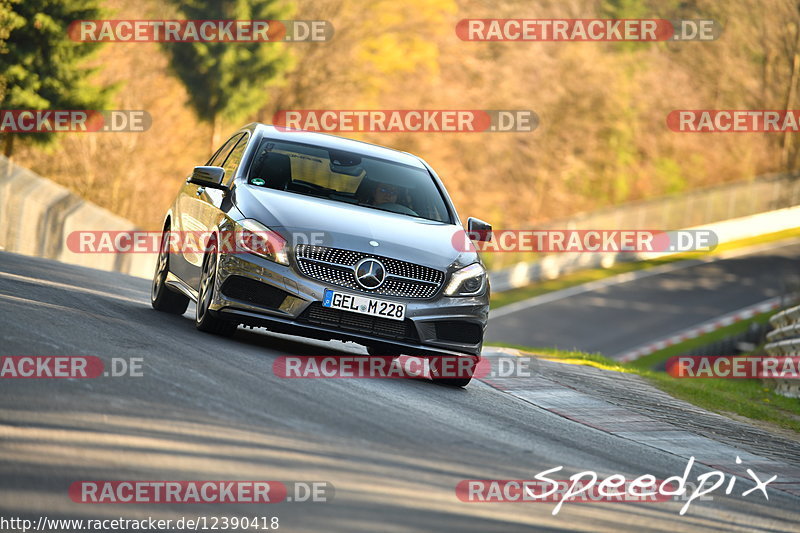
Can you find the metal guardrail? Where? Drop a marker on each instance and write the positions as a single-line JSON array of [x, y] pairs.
[[786, 317], [785, 341]]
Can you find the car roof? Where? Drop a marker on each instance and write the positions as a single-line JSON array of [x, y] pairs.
[[333, 142]]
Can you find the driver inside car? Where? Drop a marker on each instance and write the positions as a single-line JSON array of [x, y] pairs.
[[387, 193], [384, 194]]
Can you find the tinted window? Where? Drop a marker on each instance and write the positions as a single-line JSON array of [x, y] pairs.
[[235, 157], [348, 177], [222, 153]]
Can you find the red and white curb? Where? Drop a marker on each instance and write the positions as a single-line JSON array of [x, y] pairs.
[[707, 327], [563, 401]]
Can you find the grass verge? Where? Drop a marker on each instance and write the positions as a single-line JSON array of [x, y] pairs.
[[651, 360], [744, 397]]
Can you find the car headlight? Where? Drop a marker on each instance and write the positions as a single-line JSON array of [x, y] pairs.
[[254, 237], [469, 281]]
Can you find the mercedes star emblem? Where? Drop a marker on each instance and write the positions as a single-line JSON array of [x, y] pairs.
[[370, 273]]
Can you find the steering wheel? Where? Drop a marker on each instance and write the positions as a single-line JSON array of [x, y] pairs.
[[310, 187], [398, 208]]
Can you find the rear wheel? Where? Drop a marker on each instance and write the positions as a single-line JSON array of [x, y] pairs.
[[162, 298], [204, 320]]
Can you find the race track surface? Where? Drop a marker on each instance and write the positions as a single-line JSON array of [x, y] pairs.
[[618, 317], [211, 408]]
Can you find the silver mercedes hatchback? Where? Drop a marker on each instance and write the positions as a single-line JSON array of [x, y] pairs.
[[328, 238]]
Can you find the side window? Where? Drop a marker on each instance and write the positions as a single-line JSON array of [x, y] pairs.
[[233, 160], [223, 152]]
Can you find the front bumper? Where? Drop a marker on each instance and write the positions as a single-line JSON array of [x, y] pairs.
[[291, 303]]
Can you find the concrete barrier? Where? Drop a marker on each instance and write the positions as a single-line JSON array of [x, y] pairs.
[[37, 216]]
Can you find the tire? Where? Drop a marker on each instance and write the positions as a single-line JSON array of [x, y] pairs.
[[379, 349], [162, 298], [449, 381], [452, 382], [204, 320]]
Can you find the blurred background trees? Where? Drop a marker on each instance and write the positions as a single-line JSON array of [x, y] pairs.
[[227, 82], [602, 137], [41, 67]]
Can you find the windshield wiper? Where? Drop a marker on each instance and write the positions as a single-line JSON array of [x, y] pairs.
[[390, 211]]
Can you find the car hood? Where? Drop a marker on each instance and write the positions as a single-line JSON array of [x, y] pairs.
[[304, 219]]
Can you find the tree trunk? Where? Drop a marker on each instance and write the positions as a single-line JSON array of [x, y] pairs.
[[789, 103], [216, 132], [8, 147]]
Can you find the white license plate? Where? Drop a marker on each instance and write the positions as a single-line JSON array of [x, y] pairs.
[[361, 304]]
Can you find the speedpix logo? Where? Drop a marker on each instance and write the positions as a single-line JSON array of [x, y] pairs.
[[588, 486]]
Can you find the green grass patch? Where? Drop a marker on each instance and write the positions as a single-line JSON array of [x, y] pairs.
[[585, 276], [744, 397], [553, 353]]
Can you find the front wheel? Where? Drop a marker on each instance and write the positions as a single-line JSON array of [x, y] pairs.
[[204, 321], [161, 297], [453, 382], [380, 349], [453, 373]]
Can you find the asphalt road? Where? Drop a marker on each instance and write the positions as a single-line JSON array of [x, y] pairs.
[[210, 408], [619, 317]]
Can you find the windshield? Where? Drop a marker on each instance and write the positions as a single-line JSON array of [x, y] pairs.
[[347, 177]]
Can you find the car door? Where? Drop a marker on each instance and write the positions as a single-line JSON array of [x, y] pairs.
[[208, 203], [191, 212]]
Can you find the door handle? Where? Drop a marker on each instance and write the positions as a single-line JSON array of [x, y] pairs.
[[200, 190]]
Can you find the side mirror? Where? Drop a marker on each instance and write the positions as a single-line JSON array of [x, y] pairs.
[[208, 177], [479, 230]]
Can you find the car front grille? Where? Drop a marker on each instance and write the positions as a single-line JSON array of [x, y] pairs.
[[335, 266], [371, 325]]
